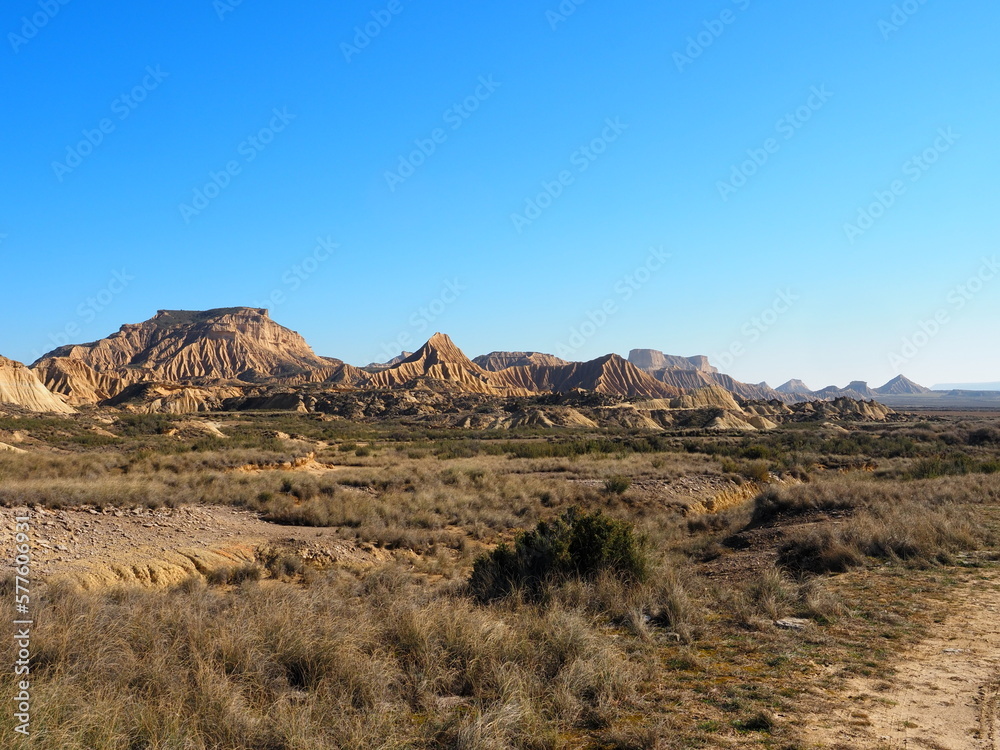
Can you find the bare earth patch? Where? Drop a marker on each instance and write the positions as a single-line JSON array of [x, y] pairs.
[[94, 548], [943, 696]]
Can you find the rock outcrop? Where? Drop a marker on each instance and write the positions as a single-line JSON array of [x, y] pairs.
[[794, 387], [653, 359], [496, 361], [189, 348], [610, 374], [238, 343], [900, 386], [439, 359], [20, 387]]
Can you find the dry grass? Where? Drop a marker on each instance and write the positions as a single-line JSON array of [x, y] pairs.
[[281, 655]]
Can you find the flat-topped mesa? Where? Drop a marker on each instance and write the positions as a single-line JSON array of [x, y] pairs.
[[496, 361], [231, 343], [653, 359], [20, 387]]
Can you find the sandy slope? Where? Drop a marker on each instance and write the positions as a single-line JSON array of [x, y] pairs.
[[944, 695], [162, 547]]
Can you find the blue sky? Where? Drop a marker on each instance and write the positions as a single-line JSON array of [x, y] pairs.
[[569, 178]]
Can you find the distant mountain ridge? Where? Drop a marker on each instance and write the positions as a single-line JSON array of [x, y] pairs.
[[697, 372], [967, 386], [184, 357], [496, 361], [653, 359]]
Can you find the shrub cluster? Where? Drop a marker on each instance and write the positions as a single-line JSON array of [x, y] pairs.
[[576, 545]]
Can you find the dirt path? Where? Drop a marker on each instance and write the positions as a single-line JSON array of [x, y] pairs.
[[945, 694]]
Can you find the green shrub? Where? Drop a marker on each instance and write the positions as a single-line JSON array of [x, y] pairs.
[[134, 425], [576, 545]]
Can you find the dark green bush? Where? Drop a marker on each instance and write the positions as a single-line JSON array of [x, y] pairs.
[[134, 425], [576, 545]]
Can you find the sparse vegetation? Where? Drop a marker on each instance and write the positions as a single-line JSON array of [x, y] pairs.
[[581, 545], [537, 589]]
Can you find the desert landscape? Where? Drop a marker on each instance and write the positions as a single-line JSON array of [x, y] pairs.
[[238, 543], [551, 375]]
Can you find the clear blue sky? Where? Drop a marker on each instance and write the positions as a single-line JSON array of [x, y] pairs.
[[864, 98]]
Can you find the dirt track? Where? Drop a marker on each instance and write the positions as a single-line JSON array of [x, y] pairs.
[[943, 696]]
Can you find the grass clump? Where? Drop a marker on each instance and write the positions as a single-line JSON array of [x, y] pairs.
[[919, 535], [576, 545], [617, 484]]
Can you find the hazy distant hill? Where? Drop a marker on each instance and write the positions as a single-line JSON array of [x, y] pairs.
[[995, 386]]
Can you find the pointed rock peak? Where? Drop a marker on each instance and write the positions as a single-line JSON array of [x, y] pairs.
[[19, 386], [901, 385], [793, 386], [439, 349]]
